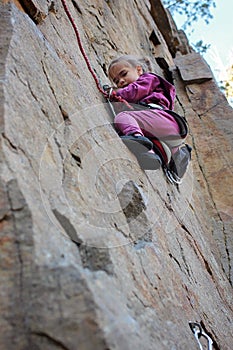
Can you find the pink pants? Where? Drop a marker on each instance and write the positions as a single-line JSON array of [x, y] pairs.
[[148, 123]]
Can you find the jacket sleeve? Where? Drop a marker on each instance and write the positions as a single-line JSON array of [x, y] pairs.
[[139, 89]]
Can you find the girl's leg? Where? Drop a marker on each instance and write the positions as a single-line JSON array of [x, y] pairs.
[[127, 124], [149, 123]]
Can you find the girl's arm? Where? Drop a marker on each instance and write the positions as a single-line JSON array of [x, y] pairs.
[[141, 88]]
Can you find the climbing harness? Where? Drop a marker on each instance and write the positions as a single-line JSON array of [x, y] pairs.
[[198, 333], [174, 166]]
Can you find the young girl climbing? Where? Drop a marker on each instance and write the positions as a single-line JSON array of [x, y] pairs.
[[135, 84]]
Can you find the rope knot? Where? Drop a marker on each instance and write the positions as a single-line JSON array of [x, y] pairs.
[[113, 95]]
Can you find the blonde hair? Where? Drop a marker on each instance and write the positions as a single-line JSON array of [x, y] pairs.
[[134, 61]]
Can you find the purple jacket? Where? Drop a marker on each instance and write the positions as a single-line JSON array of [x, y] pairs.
[[149, 88]]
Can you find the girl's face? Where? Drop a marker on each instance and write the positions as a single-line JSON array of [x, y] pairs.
[[122, 73]]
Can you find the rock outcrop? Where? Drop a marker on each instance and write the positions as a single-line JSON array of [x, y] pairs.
[[95, 253]]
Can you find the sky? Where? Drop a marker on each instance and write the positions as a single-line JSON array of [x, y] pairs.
[[219, 34]]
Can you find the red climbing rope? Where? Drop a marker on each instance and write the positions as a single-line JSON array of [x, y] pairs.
[[113, 96], [81, 47]]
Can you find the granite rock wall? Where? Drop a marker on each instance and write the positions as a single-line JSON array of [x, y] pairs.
[[95, 253]]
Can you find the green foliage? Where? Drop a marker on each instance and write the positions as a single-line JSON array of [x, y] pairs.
[[201, 47], [192, 10]]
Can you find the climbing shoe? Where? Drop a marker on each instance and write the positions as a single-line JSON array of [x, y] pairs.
[[180, 162], [149, 161], [137, 144]]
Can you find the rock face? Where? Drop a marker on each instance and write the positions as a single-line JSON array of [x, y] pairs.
[[95, 253]]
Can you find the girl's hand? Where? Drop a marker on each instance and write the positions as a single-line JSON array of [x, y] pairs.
[[110, 90]]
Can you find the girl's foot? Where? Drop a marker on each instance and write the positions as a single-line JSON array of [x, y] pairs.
[[137, 143], [149, 161]]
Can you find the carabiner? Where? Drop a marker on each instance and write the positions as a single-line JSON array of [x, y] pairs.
[[198, 332]]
